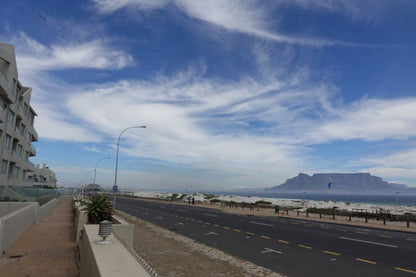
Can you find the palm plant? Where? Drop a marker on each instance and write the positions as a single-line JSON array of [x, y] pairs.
[[97, 208]]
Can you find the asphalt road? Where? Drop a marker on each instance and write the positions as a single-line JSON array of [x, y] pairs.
[[289, 246]]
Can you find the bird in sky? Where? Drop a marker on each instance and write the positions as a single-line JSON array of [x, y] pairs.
[[42, 17]]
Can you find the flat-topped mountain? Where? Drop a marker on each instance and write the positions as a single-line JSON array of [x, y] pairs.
[[338, 182]]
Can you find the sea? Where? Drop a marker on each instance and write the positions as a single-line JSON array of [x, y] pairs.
[[380, 199]]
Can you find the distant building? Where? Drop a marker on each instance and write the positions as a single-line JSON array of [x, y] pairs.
[[16, 127]]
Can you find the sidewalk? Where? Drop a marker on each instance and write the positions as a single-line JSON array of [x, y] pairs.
[[46, 249]]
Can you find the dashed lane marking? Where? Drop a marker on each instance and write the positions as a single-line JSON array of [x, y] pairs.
[[193, 219], [370, 242], [260, 223], [283, 241], [250, 234], [295, 223], [227, 228], [362, 233], [384, 236], [216, 225], [342, 230], [304, 246], [405, 270], [331, 253], [324, 227], [309, 225], [212, 215], [180, 210], [265, 237], [411, 239], [268, 250], [207, 223], [236, 230], [211, 233], [365, 261]]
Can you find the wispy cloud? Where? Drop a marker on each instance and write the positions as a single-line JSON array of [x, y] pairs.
[[247, 17], [95, 54]]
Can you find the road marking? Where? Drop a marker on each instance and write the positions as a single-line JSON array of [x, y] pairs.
[[304, 246], [216, 225], [405, 270], [384, 236], [295, 223], [213, 215], [236, 230], [268, 250], [309, 225], [362, 233], [181, 210], [283, 241], [187, 218], [342, 230], [211, 233], [227, 228], [265, 237], [324, 227], [331, 253], [370, 242], [411, 239], [207, 223], [259, 223], [365, 261], [250, 234], [193, 219], [283, 221], [180, 223]]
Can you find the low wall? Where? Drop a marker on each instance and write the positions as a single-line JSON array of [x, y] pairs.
[[124, 230], [110, 260], [8, 207], [14, 224], [19, 218]]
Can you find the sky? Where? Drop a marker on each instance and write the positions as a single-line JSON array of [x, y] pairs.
[[234, 94]]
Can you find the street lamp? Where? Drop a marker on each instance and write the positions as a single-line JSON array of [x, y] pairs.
[[95, 169], [115, 175]]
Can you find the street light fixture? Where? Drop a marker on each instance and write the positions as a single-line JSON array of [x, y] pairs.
[[118, 146], [95, 169]]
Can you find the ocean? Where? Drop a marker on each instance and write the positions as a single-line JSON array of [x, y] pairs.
[[381, 199]]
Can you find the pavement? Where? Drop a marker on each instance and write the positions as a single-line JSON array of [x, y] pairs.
[[46, 249]]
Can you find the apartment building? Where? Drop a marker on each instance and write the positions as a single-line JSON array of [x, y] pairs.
[[17, 133]]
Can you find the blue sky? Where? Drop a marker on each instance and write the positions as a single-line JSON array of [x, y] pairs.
[[235, 94]]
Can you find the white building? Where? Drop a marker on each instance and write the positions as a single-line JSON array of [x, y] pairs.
[[16, 127]]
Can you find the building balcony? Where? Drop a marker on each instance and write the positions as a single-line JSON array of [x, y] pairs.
[[32, 150], [4, 84], [34, 135], [30, 166]]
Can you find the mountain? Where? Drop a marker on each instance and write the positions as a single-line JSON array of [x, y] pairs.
[[340, 182]]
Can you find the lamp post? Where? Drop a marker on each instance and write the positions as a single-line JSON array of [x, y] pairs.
[[95, 169], [115, 175]]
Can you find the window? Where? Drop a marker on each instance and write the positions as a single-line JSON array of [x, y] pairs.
[[19, 150], [16, 96], [23, 174], [26, 155], [10, 117], [32, 118], [1, 133], [4, 167], [8, 142], [16, 172], [25, 108], [22, 129], [28, 137]]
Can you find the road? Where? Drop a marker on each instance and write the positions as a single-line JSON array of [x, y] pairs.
[[289, 246]]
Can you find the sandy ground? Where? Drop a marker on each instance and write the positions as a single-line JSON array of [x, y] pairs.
[[173, 255]]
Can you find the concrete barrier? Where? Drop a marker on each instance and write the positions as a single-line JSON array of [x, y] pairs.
[[106, 260], [45, 209], [14, 224], [8, 207]]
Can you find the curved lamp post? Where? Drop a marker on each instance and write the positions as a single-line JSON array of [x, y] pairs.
[[95, 169], [118, 146]]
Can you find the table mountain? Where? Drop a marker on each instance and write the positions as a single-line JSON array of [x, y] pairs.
[[340, 182]]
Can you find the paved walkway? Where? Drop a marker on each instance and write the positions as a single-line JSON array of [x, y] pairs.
[[46, 249]]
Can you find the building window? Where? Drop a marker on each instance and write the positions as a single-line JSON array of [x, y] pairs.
[[16, 172], [19, 150], [1, 133], [32, 118], [10, 117], [16, 96], [8, 142], [25, 108], [23, 174], [4, 167], [26, 155]]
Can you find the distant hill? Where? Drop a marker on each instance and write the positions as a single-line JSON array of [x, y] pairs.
[[340, 182]]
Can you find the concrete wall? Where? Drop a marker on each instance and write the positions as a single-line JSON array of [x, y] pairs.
[[14, 224], [20, 218], [124, 230], [110, 260], [8, 207]]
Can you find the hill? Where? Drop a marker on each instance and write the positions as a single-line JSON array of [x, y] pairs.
[[340, 182]]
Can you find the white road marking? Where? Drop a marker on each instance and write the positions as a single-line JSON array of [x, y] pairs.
[[268, 250], [180, 223], [259, 223], [370, 242], [211, 233], [213, 215], [181, 210]]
